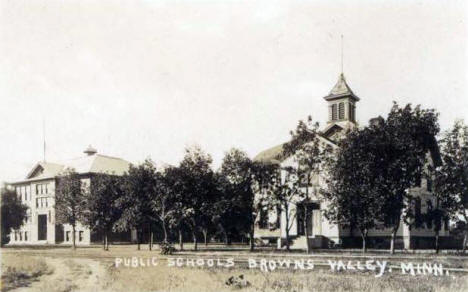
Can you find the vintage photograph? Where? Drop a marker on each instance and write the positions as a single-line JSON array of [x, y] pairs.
[[228, 145]]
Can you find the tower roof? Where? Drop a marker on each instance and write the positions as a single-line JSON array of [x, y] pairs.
[[341, 89]]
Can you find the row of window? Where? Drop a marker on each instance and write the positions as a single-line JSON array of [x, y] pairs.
[[338, 111], [21, 236], [68, 235], [24, 192], [24, 236], [42, 202]]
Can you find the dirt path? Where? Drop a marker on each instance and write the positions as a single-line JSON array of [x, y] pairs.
[[77, 274]]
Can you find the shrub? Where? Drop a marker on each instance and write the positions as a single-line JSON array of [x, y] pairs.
[[167, 248]]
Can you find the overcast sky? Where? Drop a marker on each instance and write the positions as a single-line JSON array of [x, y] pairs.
[[140, 79]]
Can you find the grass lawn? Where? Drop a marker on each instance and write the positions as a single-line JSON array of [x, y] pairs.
[[91, 269]]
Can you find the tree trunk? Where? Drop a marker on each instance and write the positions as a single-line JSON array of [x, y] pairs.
[[205, 236], [106, 243], [465, 239], [73, 237], [181, 240], [287, 229], [225, 237], [364, 241], [306, 225], [165, 231], [195, 242], [251, 235], [150, 243], [437, 241], [392, 241], [138, 239]]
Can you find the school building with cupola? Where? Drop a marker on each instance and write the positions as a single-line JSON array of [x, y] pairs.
[[37, 192], [270, 226]]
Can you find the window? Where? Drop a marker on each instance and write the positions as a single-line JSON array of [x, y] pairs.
[[67, 236], [341, 111], [21, 236], [278, 217], [16, 236], [334, 112], [263, 220], [429, 184], [417, 212], [25, 236], [80, 236], [37, 202]]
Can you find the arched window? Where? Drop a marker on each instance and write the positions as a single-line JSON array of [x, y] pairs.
[[341, 110]]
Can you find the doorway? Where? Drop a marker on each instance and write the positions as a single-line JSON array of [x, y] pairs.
[[42, 227]]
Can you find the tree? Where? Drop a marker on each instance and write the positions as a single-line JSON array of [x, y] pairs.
[[261, 175], [198, 190], [451, 178], [282, 192], [402, 143], [309, 155], [352, 194], [70, 200], [235, 195], [101, 207], [180, 209], [163, 201], [139, 190], [13, 213]]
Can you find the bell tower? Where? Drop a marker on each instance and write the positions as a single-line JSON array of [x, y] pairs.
[[342, 104]]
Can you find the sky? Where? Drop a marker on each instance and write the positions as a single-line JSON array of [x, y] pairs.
[[145, 79]]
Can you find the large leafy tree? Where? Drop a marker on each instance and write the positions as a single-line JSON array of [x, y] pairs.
[[198, 189], [351, 191], [308, 154], [180, 212], [139, 190], [451, 178], [13, 213], [164, 200], [402, 142], [282, 193], [261, 175], [70, 197], [101, 204], [233, 207]]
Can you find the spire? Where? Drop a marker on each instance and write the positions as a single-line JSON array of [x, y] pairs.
[[342, 55], [341, 89], [43, 139]]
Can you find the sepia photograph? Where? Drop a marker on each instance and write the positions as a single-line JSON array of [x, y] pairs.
[[233, 145]]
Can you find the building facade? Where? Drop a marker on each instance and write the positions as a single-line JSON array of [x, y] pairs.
[[37, 191], [271, 225]]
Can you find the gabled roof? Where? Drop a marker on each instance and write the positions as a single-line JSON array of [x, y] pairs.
[[272, 155], [275, 155], [44, 170], [341, 89], [96, 163]]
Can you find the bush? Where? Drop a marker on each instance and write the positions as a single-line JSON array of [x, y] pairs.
[[167, 248]]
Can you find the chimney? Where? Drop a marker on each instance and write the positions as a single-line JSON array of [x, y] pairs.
[[378, 121], [90, 150]]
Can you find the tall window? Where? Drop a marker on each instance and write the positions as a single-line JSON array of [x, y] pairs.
[[263, 220], [334, 112], [341, 111], [351, 113]]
